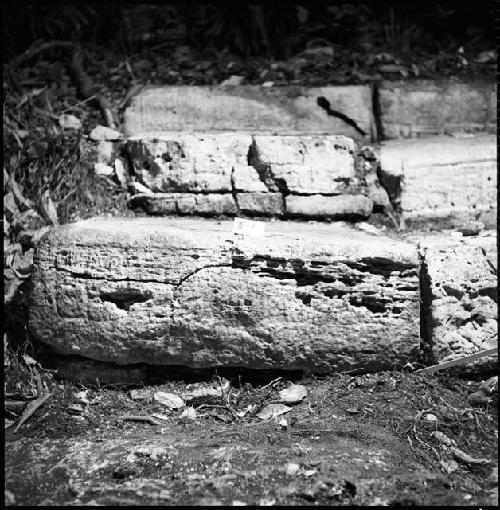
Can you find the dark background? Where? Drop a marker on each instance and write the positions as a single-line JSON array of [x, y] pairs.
[[274, 29]]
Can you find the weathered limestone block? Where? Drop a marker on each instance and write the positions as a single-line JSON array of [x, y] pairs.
[[187, 292], [303, 164], [249, 108], [245, 178], [461, 296], [182, 162], [266, 204], [429, 107], [211, 204], [442, 176], [334, 207]]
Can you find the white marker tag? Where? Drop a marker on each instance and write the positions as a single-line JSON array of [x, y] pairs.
[[243, 227]]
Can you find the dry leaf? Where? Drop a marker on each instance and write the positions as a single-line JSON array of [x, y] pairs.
[[449, 466], [294, 393], [69, 122], [103, 133], [464, 457], [233, 81], [292, 468], [272, 411], [29, 360], [48, 209], [121, 173], [141, 394], [189, 413], [169, 400]]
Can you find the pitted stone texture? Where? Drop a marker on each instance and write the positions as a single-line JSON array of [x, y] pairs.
[[442, 176], [249, 108], [187, 292], [180, 162], [304, 164], [334, 207], [462, 299], [429, 107], [210, 204]]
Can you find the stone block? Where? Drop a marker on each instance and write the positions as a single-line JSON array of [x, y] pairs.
[[303, 164], [181, 291], [164, 204], [436, 107], [265, 204], [441, 176], [461, 297], [249, 108], [334, 207], [180, 162]]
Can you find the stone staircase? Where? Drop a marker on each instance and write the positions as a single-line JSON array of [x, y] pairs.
[[284, 293]]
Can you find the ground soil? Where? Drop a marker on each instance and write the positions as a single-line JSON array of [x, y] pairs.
[[365, 439]]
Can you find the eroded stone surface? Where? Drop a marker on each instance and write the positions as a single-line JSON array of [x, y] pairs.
[[321, 298], [180, 162], [441, 176], [304, 164], [461, 296]]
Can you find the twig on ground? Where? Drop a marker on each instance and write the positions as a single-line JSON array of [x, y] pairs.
[[37, 48], [30, 409], [147, 419], [271, 383], [88, 89]]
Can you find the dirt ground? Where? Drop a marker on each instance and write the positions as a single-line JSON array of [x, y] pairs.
[[353, 440]]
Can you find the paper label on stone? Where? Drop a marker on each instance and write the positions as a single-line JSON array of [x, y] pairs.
[[244, 227]]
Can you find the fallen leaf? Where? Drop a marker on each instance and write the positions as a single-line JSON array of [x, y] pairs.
[[449, 466], [103, 133], [103, 169], [121, 173], [160, 416], [137, 187], [169, 400], [272, 411], [461, 456], [29, 360], [443, 438], [309, 472], [69, 122], [267, 501], [233, 81], [352, 410], [292, 468], [82, 397], [294, 393], [48, 209], [189, 413], [141, 394], [76, 409]]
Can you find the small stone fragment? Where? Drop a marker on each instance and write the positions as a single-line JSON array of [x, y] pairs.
[[103, 133], [67, 121]]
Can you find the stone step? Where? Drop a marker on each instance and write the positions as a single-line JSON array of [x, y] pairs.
[[181, 291], [318, 176], [420, 108], [274, 110], [442, 176]]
